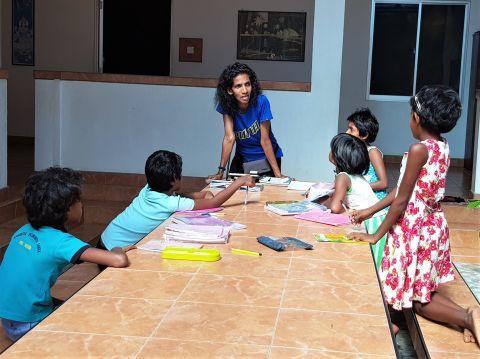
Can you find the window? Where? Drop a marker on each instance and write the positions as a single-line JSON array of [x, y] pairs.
[[414, 44]]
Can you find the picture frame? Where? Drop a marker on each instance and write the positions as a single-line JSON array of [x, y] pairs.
[[23, 32], [271, 35]]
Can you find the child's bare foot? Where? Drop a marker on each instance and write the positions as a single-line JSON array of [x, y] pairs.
[[468, 336], [395, 329], [474, 318]]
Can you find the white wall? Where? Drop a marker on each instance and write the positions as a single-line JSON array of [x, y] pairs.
[[65, 39], [3, 133], [394, 137], [113, 127], [217, 23]]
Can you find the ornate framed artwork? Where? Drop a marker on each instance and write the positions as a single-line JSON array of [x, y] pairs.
[[23, 43], [271, 35]]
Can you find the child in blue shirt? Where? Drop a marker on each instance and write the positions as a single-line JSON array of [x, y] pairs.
[[39, 251], [158, 200], [364, 125]]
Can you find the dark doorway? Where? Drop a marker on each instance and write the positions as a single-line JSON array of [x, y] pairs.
[[136, 37], [472, 102]]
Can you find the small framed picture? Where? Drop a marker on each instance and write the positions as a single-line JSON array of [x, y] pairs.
[[23, 41], [271, 36]]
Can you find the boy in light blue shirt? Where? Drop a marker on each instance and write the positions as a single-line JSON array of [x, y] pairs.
[[157, 201], [39, 251]]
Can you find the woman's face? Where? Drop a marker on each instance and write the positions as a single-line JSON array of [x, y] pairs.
[[241, 90]]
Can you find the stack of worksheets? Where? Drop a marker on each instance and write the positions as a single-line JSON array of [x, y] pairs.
[[196, 233]]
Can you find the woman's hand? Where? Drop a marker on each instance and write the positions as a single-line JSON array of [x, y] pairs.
[[358, 216], [362, 237], [217, 176]]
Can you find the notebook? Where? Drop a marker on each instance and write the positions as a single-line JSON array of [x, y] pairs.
[[197, 212], [275, 181], [156, 245], [336, 238], [208, 220], [319, 190], [324, 217], [196, 233], [300, 186], [290, 208]]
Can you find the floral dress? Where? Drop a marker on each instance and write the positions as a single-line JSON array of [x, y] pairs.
[[416, 258]]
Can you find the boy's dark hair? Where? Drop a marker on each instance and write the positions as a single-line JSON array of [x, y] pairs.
[[225, 82], [161, 169], [350, 154], [366, 123], [438, 108], [49, 194]]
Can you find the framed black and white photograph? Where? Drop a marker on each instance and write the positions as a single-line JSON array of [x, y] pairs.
[[23, 32], [271, 35]]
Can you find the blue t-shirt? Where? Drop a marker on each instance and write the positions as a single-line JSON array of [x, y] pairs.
[[33, 261], [246, 126], [146, 212]]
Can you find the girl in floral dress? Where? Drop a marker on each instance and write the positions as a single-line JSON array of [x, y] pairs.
[[416, 257]]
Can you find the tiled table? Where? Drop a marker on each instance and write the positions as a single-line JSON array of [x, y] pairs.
[[320, 303]]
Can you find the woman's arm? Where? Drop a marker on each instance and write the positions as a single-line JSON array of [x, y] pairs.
[[268, 148], [377, 162], [417, 157], [342, 184], [227, 144], [114, 258]]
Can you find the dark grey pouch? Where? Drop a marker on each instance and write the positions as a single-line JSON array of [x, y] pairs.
[[258, 166]]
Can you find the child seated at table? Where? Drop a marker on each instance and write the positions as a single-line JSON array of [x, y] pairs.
[[158, 200], [40, 250], [363, 125], [349, 154]]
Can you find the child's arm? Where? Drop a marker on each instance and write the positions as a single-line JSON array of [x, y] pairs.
[[342, 184], [417, 157], [222, 196], [358, 216], [114, 258], [377, 162], [198, 195]]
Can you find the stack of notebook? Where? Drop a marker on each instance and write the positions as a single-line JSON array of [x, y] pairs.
[[196, 233], [290, 208]]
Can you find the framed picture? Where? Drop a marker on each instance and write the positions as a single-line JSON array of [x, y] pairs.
[[271, 35], [23, 32]]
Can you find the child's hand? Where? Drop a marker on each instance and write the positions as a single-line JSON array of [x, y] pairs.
[[359, 216], [208, 195], [129, 248], [363, 237], [245, 181]]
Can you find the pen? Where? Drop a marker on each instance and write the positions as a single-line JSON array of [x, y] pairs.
[[243, 251], [246, 197]]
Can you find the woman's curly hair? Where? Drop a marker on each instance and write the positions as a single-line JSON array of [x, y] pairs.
[[226, 101], [49, 194]]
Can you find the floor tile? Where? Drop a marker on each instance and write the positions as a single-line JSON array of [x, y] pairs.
[[138, 284], [166, 348], [333, 297], [101, 315], [330, 331], [44, 344], [333, 272], [219, 323], [234, 290]]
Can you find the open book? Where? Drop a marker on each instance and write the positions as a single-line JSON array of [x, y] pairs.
[[275, 181], [156, 245], [290, 208], [319, 190], [196, 233]]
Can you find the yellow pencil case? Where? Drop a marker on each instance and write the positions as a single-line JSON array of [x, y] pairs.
[[191, 254]]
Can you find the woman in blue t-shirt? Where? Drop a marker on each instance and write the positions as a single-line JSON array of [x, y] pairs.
[[246, 120]]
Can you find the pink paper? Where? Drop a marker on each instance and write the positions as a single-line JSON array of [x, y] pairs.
[[332, 219]]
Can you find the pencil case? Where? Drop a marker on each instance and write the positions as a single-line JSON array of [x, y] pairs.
[[280, 244], [191, 254]]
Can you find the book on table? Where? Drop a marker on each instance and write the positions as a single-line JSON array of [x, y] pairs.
[[300, 186], [196, 233], [275, 181], [290, 208], [319, 190], [324, 217], [208, 220], [158, 246]]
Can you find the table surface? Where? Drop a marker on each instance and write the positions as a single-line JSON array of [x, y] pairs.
[[320, 303]]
